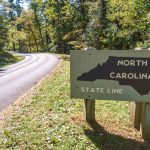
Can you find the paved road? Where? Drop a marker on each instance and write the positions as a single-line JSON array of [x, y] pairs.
[[18, 78]]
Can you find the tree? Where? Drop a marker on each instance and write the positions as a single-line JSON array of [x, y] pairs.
[[3, 25], [96, 29], [128, 23], [38, 20], [60, 18]]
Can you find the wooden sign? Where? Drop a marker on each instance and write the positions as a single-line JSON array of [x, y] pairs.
[[111, 75]]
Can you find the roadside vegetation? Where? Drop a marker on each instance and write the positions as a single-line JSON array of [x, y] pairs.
[[8, 59], [49, 119]]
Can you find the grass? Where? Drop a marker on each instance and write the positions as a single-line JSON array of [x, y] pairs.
[[8, 59], [49, 119]]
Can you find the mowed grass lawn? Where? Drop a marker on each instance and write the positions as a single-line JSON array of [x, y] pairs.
[[8, 59], [49, 119]]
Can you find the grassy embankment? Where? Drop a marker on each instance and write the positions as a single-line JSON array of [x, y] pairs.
[[49, 119], [7, 59]]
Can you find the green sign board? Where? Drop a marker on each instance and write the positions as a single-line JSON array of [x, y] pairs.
[[111, 75]]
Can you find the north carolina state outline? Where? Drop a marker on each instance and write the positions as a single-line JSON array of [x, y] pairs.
[[128, 71]]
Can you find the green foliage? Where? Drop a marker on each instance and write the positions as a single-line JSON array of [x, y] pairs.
[[131, 21], [124, 25], [3, 25], [72, 24], [62, 18]]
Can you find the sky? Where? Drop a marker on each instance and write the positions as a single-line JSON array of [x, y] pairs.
[[24, 4]]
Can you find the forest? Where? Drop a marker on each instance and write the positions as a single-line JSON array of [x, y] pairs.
[[64, 25]]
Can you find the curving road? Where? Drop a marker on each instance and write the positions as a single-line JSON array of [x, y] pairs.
[[20, 77]]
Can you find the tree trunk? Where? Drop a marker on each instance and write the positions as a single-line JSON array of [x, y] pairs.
[[103, 7], [47, 38], [34, 37], [19, 42], [42, 40], [14, 47], [83, 15], [30, 45]]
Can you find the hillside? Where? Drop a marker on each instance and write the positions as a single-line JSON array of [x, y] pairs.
[[7, 58]]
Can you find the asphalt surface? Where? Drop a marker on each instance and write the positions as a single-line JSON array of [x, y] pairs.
[[18, 78]]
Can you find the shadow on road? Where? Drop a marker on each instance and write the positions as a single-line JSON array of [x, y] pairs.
[[104, 140], [2, 70]]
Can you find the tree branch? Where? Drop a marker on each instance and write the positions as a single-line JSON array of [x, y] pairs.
[[73, 6]]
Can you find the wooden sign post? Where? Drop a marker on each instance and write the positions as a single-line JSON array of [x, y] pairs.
[[140, 117], [136, 114], [145, 122], [89, 110]]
